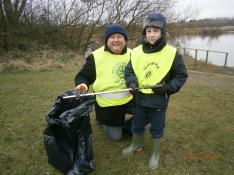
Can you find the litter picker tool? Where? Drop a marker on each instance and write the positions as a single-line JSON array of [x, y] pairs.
[[111, 91]]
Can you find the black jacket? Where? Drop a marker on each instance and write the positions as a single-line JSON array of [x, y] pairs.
[[87, 74], [174, 79]]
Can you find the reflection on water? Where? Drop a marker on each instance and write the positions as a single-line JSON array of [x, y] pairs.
[[222, 43]]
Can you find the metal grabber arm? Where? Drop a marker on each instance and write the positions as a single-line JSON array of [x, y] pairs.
[[112, 91]]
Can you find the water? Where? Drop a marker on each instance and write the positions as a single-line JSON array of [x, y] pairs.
[[222, 43]]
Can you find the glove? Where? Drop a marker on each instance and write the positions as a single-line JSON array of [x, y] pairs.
[[81, 87], [134, 89], [162, 89]]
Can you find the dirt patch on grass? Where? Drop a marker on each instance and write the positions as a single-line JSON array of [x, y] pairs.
[[211, 79]]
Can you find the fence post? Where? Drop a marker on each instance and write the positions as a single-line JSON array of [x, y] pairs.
[[225, 63], [195, 62], [207, 54]]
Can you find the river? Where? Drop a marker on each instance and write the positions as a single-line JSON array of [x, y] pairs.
[[222, 43]]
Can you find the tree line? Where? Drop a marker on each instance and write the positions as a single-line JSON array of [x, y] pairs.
[[73, 24], [208, 22]]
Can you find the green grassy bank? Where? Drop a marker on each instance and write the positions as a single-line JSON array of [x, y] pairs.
[[198, 137]]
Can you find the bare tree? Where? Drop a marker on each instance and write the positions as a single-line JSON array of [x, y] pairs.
[[10, 13], [75, 23]]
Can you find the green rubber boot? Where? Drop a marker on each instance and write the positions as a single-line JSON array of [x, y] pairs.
[[136, 145], [154, 158]]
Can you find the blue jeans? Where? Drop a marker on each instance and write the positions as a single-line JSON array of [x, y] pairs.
[[157, 118]]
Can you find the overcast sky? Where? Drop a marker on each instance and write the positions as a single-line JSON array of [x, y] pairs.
[[210, 8]]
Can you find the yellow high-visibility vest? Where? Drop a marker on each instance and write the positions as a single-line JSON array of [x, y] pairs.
[[151, 68], [110, 76]]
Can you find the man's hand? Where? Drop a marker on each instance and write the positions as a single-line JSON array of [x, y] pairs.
[[81, 87], [161, 90]]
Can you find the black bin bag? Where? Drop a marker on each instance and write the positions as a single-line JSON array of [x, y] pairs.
[[68, 135]]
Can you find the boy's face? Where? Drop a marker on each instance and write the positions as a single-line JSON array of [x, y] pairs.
[[152, 34], [116, 43]]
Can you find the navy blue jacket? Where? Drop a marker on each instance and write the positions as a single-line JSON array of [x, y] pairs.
[[174, 79]]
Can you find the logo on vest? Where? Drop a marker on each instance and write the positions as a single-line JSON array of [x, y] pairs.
[[118, 73], [149, 68]]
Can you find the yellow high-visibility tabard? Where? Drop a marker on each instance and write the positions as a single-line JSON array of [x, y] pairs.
[[151, 68], [110, 76]]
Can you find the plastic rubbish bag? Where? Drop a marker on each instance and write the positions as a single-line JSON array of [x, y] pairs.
[[68, 136]]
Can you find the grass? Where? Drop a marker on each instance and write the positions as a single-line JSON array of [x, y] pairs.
[[202, 66], [199, 128], [15, 61]]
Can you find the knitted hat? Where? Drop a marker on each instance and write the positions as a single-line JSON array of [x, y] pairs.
[[116, 28], [156, 20]]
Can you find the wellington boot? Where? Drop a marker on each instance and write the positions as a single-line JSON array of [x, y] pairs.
[[136, 145], [154, 158]]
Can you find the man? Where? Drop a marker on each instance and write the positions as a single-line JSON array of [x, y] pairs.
[[104, 69]]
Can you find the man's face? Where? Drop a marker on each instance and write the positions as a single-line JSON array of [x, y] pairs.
[[116, 43], [152, 34]]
